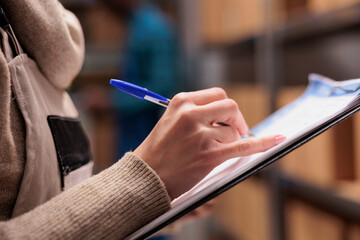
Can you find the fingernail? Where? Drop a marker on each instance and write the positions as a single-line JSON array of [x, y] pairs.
[[279, 139]]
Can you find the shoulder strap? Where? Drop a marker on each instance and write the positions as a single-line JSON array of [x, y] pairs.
[[4, 22], [5, 25]]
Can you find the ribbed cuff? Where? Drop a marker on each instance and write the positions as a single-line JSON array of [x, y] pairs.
[[110, 205]]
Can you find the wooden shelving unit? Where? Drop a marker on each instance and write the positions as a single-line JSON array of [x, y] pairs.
[[268, 53]]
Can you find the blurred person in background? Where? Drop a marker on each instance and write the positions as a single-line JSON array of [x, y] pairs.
[[149, 59]]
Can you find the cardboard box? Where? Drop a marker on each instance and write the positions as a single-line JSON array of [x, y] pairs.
[[244, 211], [253, 101], [102, 27], [103, 141], [211, 21], [306, 222], [356, 133], [226, 21], [293, 9], [350, 189], [322, 6]]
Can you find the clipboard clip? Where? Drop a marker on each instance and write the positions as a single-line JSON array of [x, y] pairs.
[[338, 86]]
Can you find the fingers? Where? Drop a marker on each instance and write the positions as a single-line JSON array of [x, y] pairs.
[[215, 106], [224, 134], [202, 97], [249, 146], [225, 111]]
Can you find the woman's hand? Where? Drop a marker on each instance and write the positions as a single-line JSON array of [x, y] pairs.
[[187, 142]]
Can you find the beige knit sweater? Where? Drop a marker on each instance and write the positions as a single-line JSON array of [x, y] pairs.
[[109, 205]]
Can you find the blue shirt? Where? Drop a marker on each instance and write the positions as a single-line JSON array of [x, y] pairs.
[[150, 58]]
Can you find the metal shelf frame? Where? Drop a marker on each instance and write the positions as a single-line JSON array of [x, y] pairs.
[[283, 188]]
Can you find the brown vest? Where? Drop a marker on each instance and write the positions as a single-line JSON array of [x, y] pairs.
[[57, 150]]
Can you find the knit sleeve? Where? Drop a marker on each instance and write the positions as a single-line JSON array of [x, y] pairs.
[[110, 205], [51, 35]]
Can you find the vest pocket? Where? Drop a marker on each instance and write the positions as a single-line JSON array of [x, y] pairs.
[[71, 143]]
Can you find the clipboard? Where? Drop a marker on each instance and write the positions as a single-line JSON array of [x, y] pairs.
[[324, 103]]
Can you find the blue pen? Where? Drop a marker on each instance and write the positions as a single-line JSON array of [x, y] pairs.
[[143, 93], [140, 92]]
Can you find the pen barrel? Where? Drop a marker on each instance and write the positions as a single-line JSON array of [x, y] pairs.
[[157, 101]]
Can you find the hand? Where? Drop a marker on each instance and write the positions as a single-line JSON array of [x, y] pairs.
[[187, 143]]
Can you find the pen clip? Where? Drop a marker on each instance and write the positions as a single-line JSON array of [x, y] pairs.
[[338, 86]]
